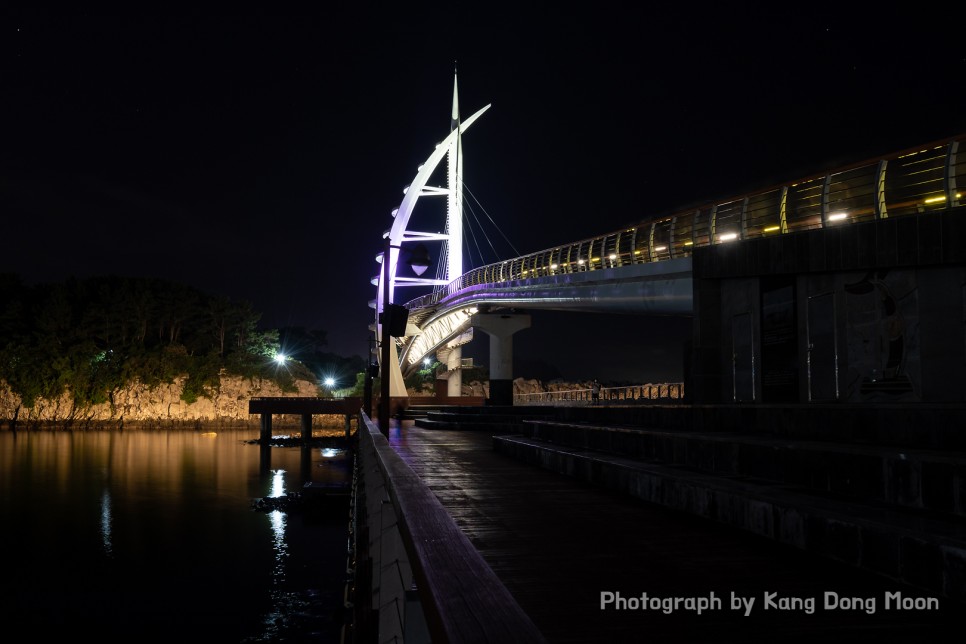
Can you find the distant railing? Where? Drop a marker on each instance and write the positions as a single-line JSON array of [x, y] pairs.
[[666, 391]]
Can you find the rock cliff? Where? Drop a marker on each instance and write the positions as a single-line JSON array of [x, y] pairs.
[[139, 405]]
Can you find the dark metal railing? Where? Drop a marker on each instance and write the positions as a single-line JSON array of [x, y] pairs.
[[668, 391]]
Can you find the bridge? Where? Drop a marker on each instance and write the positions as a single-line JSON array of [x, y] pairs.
[[825, 394], [844, 285]]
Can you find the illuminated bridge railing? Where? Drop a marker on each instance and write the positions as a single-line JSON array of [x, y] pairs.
[[929, 178]]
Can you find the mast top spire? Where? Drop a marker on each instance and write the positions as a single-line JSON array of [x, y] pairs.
[[455, 116]]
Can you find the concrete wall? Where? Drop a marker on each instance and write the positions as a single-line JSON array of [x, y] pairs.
[[872, 312]]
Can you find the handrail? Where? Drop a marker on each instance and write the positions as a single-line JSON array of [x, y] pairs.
[[462, 598]]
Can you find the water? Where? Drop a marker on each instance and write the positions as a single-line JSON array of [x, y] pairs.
[[151, 536]]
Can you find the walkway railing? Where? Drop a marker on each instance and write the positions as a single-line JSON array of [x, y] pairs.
[[426, 582], [667, 391], [928, 178]]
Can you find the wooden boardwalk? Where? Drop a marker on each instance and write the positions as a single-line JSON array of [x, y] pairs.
[[558, 544]]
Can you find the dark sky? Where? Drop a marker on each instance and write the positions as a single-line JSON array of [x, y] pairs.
[[258, 154]]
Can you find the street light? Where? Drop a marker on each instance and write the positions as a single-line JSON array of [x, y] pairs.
[[418, 259], [384, 337]]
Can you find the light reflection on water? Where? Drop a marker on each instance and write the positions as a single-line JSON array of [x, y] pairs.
[[136, 533], [277, 518], [106, 523]]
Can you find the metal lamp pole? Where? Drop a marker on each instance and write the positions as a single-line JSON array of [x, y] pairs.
[[367, 380], [386, 339]]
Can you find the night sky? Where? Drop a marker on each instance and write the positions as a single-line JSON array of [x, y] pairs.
[[258, 154]]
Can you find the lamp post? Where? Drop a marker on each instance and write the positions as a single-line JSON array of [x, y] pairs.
[[367, 378], [418, 261], [385, 339]]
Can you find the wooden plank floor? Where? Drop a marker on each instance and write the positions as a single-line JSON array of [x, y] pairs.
[[557, 544]]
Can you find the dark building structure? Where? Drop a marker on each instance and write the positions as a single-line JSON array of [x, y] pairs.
[[863, 301]]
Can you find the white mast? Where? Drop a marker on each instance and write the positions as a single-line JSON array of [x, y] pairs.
[[454, 203], [399, 234]]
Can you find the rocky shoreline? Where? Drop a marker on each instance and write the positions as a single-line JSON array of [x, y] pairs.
[[140, 406], [161, 407]]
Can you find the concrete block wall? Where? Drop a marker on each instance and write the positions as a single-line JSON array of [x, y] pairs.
[[907, 551]]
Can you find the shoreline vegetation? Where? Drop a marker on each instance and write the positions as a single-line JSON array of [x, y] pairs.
[[125, 352]]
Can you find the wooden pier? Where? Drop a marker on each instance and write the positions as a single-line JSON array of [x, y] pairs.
[[266, 406]]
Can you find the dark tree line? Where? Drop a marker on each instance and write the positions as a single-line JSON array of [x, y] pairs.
[[92, 337]]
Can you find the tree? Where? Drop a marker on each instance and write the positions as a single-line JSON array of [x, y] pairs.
[[92, 337]]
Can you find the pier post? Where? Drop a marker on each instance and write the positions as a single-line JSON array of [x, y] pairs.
[[266, 433], [306, 427], [501, 327]]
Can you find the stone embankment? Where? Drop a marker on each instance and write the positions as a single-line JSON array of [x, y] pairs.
[[157, 407]]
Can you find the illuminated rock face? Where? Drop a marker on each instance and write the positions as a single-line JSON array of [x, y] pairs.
[[160, 406]]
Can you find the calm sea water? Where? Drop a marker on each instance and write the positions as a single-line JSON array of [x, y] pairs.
[[133, 536]]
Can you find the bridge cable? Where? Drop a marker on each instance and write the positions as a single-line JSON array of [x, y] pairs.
[[476, 241], [495, 225], [441, 265]]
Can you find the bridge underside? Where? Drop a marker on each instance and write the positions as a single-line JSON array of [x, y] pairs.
[[660, 288]]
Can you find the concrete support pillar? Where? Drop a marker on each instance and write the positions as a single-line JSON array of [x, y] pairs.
[[306, 427], [452, 357], [501, 327], [454, 366], [348, 426], [266, 433]]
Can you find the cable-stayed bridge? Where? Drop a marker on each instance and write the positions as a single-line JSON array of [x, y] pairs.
[[808, 290]]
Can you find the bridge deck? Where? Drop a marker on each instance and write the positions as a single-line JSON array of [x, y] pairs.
[[556, 544]]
